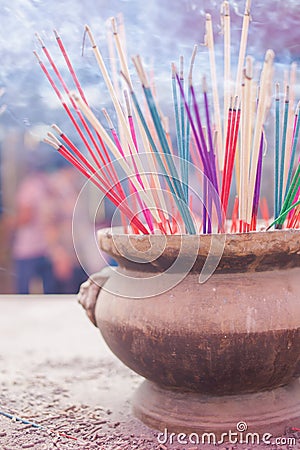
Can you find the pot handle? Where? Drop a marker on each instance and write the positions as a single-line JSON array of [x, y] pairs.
[[89, 292]]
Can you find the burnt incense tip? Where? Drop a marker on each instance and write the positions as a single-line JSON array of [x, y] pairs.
[[127, 102], [247, 7], [287, 93], [40, 40], [37, 56], [190, 76], [236, 102], [108, 119], [181, 68], [74, 96], [56, 129], [127, 81], [226, 9], [114, 25], [89, 32], [270, 55], [248, 72], [52, 143], [204, 84], [195, 49], [56, 34], [137, 61], [53, 138]]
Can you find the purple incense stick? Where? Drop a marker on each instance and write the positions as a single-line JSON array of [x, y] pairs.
[[258, 179]]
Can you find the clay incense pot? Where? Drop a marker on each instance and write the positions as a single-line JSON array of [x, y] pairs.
[[213, 353]]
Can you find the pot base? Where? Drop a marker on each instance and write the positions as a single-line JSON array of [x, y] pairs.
[[189, 412]]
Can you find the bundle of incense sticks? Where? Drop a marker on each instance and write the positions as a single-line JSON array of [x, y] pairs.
[[223, 141]]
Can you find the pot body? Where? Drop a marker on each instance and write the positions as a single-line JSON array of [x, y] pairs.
[[236, 333]]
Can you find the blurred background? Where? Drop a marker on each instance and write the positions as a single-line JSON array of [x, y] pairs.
[[38, 190]]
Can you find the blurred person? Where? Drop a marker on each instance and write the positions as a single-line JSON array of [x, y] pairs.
[[30, 226], [68, 273]]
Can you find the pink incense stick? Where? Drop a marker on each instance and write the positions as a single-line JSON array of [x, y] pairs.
[[68, 111], [110, 169], [70, 67], [79, 113], [227, 176], [78, 85], [106, 189], [87, 163], [145, 211], [235, 214]]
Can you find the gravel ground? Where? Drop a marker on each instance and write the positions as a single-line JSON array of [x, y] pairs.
[[56, 371]]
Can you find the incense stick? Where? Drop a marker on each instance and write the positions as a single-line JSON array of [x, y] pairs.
[[225, 12], [277, 145], [237, 143], [202, 153], [121, 118], [260, 117], [123, 162], [209, 41], [159, 129], [283, 146], [243, 46], [150, 158], [92, 174], [169, 180], [187, 127], [294, 148]]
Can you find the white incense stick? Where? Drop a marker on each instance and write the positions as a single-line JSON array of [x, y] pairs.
[[290, 126], [150, 156], [120, 114], [245, 147], [209, 42], [263, 102], [112, 92], [243, 46], [227, 65], [148, 200]]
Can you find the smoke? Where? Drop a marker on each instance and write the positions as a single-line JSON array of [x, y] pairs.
[[160, 30]]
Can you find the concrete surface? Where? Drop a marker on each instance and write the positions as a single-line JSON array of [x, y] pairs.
[[56, 371]]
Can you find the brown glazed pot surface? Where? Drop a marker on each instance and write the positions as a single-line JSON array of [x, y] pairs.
[[239, 332]]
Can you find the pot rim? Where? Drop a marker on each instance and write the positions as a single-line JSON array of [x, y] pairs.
[[239, 252]]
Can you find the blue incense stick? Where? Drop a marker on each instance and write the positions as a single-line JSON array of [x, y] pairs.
[[206, 167], [169, 180]]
